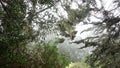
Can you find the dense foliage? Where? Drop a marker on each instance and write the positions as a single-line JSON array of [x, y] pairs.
[[18, 20], [24, 21], [47, 56], [106, 39], [14, 31]]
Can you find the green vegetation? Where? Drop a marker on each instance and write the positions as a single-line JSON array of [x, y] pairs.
[[45, 55], [105, 31], [78, 65], [28, 22], [17, 32], [49, 56], [81, 64]]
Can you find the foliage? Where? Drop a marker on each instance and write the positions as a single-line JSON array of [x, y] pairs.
[[106, 54], [14, 31], [80, 64], [45, 55], [106, 32], [17, 18], [67, 26], [17, 30]]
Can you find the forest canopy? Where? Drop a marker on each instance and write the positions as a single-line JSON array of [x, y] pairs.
[[23, 22]]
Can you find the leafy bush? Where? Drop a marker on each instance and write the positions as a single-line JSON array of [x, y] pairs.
[[47, 56]]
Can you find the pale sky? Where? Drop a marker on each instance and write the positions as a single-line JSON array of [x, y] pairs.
[[80, 27]]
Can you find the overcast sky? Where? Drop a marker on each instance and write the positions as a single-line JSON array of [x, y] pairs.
[[80, 27]]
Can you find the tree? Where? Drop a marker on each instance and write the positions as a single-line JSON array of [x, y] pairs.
[[46, 55], [16, 28], [18, 17], [106, 32]]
